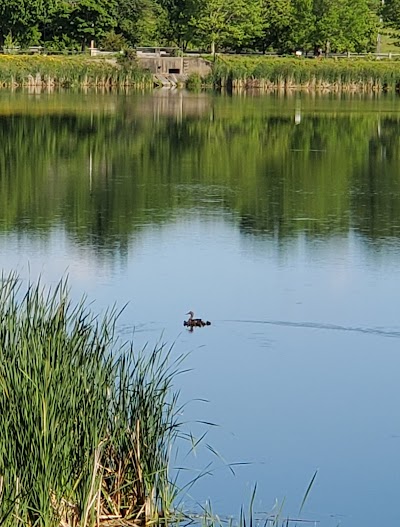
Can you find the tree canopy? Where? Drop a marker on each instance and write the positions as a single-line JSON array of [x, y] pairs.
[[278, 25]]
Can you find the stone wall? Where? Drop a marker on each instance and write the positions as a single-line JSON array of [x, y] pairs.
[[174, 65]]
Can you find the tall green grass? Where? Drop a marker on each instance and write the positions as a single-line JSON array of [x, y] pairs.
[[275, 518], [287, 72], [65, 71], [86, 424]]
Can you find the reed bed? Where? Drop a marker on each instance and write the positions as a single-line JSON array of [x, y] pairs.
[[86, 423], [317, 74], [66, 71]]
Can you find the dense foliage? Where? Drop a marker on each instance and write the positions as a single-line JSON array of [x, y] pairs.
[[280, 25]]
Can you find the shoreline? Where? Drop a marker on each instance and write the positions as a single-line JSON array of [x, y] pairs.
[[230, 73]]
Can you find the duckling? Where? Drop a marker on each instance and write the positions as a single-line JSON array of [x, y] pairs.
[[195, 322]]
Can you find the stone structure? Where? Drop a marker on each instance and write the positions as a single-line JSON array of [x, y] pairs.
[[167, 65]]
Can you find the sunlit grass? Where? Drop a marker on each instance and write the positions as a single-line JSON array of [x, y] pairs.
[[390, 41], [65, 71], [367, 74], [86, 423]]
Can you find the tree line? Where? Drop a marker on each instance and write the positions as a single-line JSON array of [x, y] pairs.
[[213, 25]]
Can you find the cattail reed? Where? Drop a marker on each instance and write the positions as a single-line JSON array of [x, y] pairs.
[[68, 71], [365, 75], [86, 423]]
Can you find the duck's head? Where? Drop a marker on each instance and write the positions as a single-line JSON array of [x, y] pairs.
[[190, 313]]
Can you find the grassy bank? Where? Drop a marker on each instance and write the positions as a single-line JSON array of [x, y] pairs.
[[69, 71], [314, 74], [228, 72], [86, 425]]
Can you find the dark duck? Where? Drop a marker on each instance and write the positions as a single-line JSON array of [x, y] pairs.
[[192, 322]]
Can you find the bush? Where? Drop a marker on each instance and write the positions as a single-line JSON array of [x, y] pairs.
[[113, 42], [194, 82]]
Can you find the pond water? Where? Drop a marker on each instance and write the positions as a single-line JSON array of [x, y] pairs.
[[275, 217]]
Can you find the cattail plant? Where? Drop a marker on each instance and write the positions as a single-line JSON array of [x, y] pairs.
[[287, 72], [86, 423], [50, 71]]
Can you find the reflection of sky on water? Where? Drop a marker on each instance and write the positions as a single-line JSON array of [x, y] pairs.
[[290, 392]]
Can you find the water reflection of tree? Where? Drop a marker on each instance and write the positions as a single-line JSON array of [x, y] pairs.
[[376, 199], [330, 173]]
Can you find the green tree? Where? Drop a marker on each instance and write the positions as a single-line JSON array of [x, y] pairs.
[[278, 19], [303, 25], [19, 19], [220, 24], [176, 28], [391, 13], [90, 19], [345, 25], [48, 18], [140, 21]]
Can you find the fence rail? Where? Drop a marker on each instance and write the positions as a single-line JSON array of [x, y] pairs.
[[174, 51]]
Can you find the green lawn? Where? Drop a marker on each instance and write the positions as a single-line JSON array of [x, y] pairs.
[[388, 41]]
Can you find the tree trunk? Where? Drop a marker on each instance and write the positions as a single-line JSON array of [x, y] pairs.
[[212, 48]]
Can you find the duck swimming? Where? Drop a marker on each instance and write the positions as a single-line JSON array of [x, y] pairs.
[[195, 322]]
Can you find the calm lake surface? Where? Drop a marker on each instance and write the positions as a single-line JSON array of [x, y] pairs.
[[275, 217]]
